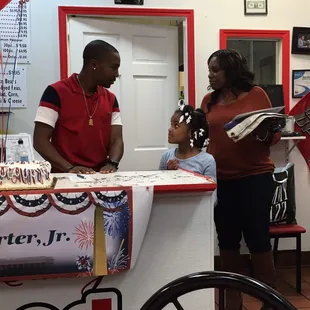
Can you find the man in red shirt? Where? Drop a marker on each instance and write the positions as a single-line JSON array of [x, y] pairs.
[[78, 126]]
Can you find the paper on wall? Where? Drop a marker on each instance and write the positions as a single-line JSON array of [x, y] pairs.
[[12, 144]]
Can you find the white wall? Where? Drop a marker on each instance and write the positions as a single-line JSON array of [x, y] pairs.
[[210, 16]]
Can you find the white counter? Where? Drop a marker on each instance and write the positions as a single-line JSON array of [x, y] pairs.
[[179, 240]]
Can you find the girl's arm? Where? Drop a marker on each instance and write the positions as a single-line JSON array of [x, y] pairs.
[[210, 168], [163, 162]]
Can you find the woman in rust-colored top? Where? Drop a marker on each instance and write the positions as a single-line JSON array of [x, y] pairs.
[[244, 169]]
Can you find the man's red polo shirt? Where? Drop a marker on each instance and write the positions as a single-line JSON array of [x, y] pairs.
[[63, 107]]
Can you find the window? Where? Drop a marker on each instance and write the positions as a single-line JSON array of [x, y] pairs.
[[262, 57], [282, 40]]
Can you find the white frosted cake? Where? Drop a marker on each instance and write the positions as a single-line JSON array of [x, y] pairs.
[[25, 175]]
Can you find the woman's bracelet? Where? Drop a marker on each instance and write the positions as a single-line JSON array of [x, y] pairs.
[[265, 139]]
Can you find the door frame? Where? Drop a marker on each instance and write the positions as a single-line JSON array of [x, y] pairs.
[[65, 12], [282, 35]]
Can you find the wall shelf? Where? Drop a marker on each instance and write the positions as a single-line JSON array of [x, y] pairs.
[[288, 149], [294, 138]]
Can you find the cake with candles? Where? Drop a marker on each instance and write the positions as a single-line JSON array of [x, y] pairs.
[[25, 175]]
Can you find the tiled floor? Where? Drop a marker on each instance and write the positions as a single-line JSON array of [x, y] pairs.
[[286, 286]]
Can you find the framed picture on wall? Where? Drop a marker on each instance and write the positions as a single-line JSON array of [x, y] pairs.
[[300, 83], [255, 7], [301, 40]]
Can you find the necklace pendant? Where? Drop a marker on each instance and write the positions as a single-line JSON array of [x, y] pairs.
[[90, 122]]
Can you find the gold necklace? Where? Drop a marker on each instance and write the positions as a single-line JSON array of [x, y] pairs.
[[90, 120]]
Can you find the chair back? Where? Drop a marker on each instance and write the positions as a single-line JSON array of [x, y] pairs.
[[170, 293]]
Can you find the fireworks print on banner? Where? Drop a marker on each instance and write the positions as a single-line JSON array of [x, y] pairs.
[[117, 214], [85, 238], [85, 234], [119, 260], [84, 263]]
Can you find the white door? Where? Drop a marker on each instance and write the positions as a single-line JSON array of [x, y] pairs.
[[147, 89]]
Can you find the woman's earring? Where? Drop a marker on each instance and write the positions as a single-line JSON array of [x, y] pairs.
[[191, 143], [94, 68]]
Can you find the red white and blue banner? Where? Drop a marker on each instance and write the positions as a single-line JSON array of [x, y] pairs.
[[73, 234]]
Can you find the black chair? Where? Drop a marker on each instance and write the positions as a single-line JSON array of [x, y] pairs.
[[170, 293]]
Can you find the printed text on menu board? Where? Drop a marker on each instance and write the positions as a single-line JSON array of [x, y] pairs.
[[14, 86], [9, 27]]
